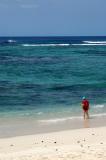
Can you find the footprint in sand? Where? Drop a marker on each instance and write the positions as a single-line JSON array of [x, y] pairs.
[[81, 145], [78, 141], [11, 145], [93, 134]]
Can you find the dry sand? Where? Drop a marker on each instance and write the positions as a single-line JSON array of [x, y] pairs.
[[78, 144]]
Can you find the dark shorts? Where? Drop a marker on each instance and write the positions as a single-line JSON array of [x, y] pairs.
[[85, 108]]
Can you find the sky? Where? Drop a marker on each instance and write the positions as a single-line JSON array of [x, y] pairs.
[[52, 17]]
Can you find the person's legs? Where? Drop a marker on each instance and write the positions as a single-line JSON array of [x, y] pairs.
[[87, 114], [84, 115]]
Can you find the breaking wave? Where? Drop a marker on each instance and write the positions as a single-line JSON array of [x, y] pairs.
[[99, 106], [90, 44], [44, 45], [95, 42]]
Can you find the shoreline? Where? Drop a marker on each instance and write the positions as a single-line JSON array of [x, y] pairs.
[[89, 143], [23, 127]]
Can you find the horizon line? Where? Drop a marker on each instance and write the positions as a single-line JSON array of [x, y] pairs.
[[55, 36]]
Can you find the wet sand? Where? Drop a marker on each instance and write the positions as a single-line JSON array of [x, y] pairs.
[[11, 127]]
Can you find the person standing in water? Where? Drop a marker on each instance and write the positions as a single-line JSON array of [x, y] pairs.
[[85, 107]]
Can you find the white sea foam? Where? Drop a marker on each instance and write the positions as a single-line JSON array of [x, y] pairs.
[[44, 45], [95, 42], [60, 120], [99, 115], [98, 106], [11, 41], [56, 120], [39, 113], [90, 44]]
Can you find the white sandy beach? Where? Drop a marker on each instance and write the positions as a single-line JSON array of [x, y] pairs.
[[78, 144]]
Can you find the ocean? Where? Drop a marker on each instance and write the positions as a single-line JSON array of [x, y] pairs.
[[45, 78]]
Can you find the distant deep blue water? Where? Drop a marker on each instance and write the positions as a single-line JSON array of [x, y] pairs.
[[48, 76]]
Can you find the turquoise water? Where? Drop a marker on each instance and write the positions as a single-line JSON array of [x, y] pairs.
[[47, 77]]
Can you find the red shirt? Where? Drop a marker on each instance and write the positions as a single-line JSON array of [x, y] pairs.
[[85, 104]]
